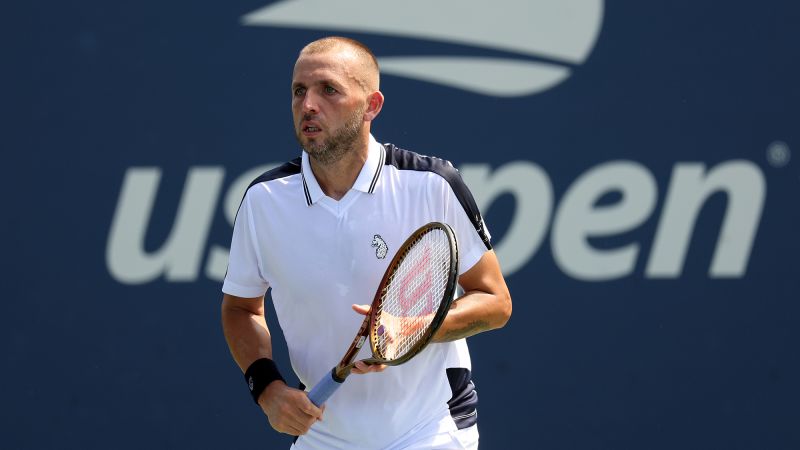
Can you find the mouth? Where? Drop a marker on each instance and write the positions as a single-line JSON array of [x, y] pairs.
[[310, 130]]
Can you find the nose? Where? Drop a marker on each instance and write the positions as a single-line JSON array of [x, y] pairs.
[[309, 103]]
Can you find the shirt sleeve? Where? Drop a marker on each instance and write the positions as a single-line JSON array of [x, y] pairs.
[[462, 214], [244, 277]]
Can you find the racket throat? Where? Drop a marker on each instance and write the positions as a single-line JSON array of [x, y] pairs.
[[340, 373]]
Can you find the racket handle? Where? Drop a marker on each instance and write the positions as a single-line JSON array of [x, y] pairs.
[[324, 388]]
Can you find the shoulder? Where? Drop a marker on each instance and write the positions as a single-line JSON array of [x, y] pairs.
[[403, 159], [276, 181], [285, 170]]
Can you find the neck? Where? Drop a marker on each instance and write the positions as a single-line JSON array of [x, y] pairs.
[[336, 178]]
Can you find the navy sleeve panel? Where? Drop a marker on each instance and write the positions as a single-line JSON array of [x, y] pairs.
[[408, 160], [284, 170], [464, 403]]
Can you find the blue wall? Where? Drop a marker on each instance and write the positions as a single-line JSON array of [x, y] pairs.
[[668, 126]]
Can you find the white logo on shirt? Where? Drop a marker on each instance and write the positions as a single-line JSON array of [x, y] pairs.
[[381, 249]]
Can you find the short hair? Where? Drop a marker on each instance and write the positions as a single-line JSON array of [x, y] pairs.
[[362, 52]]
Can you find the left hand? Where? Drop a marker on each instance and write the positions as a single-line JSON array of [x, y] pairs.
[[360, 367]]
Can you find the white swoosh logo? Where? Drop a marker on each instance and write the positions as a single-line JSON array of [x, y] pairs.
[[560, 32]]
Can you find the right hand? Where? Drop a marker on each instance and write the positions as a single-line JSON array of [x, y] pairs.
[[289, 410]]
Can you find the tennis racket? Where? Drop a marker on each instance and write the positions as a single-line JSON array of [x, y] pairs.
[[410, 304]]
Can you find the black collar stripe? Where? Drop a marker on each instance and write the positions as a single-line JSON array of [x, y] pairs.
[[305, 190], [305, 185], [381, 160]]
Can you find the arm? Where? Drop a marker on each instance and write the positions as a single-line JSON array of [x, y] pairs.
[[245, 328], [485, 305]]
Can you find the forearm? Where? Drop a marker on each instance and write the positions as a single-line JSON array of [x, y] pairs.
[[246, 333], [485, 305], [473, 313], [289, 410]]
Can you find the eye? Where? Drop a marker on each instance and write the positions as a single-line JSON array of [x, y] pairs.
[[330, 90], [299, 91]]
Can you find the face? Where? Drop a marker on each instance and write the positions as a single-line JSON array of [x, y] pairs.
[[328, 105]]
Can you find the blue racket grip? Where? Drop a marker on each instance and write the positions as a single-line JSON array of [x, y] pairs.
[[324, 388]]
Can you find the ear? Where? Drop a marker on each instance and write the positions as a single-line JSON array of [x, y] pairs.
[[374, 105]]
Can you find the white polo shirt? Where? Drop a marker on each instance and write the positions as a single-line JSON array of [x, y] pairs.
[[319, 256]]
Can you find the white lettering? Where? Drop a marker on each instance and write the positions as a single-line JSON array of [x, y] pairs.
[[180, 255], [580, 218], [745, 187], [533, 194]]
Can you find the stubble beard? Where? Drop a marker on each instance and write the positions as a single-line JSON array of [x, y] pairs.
[[333, 149]]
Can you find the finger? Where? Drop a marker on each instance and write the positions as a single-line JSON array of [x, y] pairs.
[[361, 309], [362, 366], [376, 368], [301, 421], [359, 367], [299, 414], [313, 411], [287, 425], [304, 427], [293, 430]]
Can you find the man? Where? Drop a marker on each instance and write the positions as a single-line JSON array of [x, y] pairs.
[[320, 232]]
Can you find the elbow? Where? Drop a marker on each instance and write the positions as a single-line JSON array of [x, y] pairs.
[[504, 309]]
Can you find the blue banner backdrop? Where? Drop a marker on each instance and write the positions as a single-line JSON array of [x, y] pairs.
[[633, 161]]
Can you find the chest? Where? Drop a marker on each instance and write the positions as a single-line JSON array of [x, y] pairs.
[[337, 251]]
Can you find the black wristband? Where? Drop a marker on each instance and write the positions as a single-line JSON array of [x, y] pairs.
[[259, 375]]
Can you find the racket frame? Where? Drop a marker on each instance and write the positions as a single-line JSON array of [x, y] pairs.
[[368, 327]]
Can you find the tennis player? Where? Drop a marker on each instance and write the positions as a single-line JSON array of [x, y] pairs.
[[319, 231]]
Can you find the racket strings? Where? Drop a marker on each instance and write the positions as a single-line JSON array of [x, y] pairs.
[[413, 295]]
